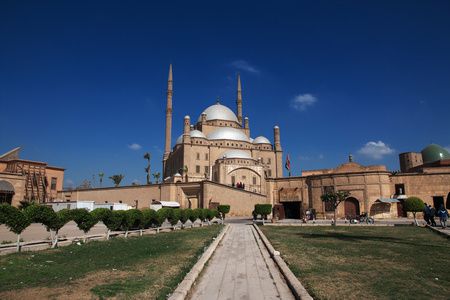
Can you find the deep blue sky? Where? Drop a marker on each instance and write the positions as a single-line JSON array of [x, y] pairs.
[[80, 81]]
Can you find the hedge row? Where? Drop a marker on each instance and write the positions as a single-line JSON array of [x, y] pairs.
[[18, 220]]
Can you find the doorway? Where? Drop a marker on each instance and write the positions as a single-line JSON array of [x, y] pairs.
[[351, 207], [292, 209], [401, 213], [438, 201]]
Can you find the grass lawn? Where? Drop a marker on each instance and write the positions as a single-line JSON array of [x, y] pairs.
[[138, 267], [366, 262]]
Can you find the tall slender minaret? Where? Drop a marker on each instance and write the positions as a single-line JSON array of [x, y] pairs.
[[168, 121], [239, 100]]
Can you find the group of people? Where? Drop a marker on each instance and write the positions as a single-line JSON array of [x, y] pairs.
[[429, 213], [239, 185]]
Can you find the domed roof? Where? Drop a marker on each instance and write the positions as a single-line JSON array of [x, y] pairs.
[[433, 153], [218, 112], [236, 154], [193, 133], [261, 140], [227, 133]]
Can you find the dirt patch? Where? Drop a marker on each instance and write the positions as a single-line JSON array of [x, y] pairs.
[[77, 289]]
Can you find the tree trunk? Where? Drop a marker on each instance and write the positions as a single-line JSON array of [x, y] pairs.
[[107, 234], [126, 233], [140, 232], [334, 213], [55, 240], [157, 230], [18, 242], [415, 220], [84, 238]]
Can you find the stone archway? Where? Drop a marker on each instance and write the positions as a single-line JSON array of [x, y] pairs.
[[6, 192], [447, 203], [351, 207]]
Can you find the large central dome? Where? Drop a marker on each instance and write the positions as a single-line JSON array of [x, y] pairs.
[[228, 133], [218, 112]]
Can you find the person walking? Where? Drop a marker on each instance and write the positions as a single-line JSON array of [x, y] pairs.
[[432, 214], [426, 214], [443, 216]]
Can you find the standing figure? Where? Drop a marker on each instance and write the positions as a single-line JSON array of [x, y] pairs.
[[432, 214], [426, 214], [443, 216]]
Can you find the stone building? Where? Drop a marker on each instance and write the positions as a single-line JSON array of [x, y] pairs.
[[28, 180], [215, 161]]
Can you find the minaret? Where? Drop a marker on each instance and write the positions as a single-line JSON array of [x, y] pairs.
[[239, 100], [278, 152], [168, 120]]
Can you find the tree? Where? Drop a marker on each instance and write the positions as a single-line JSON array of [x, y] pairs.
[[14, 219], [85, 221], [223, 209], [133, 219], [86, 184], [174, 216], [414, 205], [147, 169], [62, 218], [103, 215], [148, 217], [211, 214], [100, 178], [200, 214], [157, 176], [185, 215], [335, 198], [41, 214], [117, 179], [161, 216], [193, 216], [264, 210]]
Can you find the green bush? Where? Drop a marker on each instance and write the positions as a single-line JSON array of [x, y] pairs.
[[14, 219], [211, 214], [200, 213], [85, 221], [174, 216], [116, 220], [40, 214], [263, 209], [133, 219], [148, 217], [414, 205], [161, 215], [223, 209], [194, 215], [185, 215], [62, 218], [101, 214]]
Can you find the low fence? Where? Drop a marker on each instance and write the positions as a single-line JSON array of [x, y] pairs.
[[65, 241]]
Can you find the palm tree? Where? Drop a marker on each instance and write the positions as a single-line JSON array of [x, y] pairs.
[[100, 178], [157, 175], [117, 179], [147, 169]]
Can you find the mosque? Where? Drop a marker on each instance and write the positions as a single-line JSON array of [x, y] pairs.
[[216, 161]]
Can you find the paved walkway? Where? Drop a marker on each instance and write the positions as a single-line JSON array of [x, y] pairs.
[[241, 268]]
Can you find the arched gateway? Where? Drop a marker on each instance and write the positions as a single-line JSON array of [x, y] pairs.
[[6, 192], [351, 207]]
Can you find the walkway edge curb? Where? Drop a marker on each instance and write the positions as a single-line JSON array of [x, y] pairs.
[[185, 286], [294, 284], [438, 231]]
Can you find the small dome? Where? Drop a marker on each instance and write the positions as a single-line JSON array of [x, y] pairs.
[[236, 154], [228, 133], [433, 153], [218, 112], [193, 133], [261, 140], [177, 174]]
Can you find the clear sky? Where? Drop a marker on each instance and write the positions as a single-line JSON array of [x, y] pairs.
[[81, 82]]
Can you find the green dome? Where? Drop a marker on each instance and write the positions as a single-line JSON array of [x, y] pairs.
[[433, 153]]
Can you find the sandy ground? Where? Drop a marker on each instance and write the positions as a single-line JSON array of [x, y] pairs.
[[36, 232]]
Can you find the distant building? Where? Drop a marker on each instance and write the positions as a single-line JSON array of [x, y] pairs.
[[216, 161], [28, 180]]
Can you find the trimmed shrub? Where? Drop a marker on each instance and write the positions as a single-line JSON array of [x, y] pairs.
[[199, 212], [133, 219], [62, 218], [14, 219], [263, 209], [161, 216], [85, 221], [40, 214], [116, 221], [174, 216], [193, 216], [223, 209], [101, 214], [211, 214], [148, 217], [414, 205], [185, 215]]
